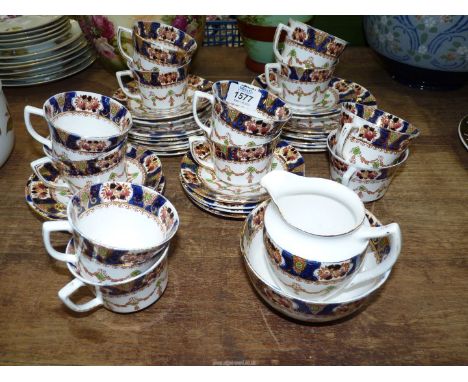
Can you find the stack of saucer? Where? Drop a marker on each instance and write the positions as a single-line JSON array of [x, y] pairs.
[[302, 76], [308, 131], [87, 144], [211, 194], [159, 96], [40, 49], [165, 132], [309, 308]]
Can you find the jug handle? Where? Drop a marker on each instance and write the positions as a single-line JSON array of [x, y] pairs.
[[394, 233]]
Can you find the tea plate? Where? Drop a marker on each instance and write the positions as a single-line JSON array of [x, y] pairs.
[[347, 91], [285, 157], [143, 167], [215, 211], [141, 113], [63, 41], [231, 207], [12, 26], [36, 37], [308, 310]]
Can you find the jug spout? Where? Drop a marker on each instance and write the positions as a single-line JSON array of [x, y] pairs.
[[282, 183]]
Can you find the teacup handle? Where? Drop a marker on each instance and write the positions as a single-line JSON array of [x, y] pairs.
[[68, 290], [28, 110], [55, 226], [198, 94], [281, 27], [393, 232], [348, 174], [193, 141], [35, 167], [127, 92], [341, 138], [268, 68], [121, 30]]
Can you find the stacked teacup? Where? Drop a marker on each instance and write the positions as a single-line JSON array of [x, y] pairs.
[[159, 69], [87, 138], [121, 233], [368, 148], [241, 138], [301, 76]]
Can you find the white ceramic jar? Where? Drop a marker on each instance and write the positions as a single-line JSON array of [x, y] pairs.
[[7, 136]]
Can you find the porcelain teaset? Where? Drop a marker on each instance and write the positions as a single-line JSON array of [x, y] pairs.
[[312, 252]]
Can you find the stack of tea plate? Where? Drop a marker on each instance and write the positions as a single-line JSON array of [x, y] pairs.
[[40, 49], [222, 199], [308, 131], [165, 131]]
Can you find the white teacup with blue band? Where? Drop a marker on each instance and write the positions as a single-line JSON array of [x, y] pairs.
[[127, 296], [157, 46], [119, 230], [75, 175], [242, 114], [316, 235], [236, 165], [369, 184], [307, 46], [371, 137], [157, 90], [82, 125], [300, 87]]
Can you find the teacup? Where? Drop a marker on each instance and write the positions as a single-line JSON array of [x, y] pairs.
[[242, 114], [157, 90], [236, 165], [298, 86], [119, 230], [316, 235], [155, 53], [82, 125], [307, 46], [75, 175], [369, 184], [371, 137], [127, 296]]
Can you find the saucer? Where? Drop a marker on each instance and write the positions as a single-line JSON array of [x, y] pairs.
[[143, 167], [346, 91], [345, 303], [204, 183], [140, 112]]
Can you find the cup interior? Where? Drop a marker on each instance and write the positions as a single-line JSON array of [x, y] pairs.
[[87, 115], [121, 215]]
